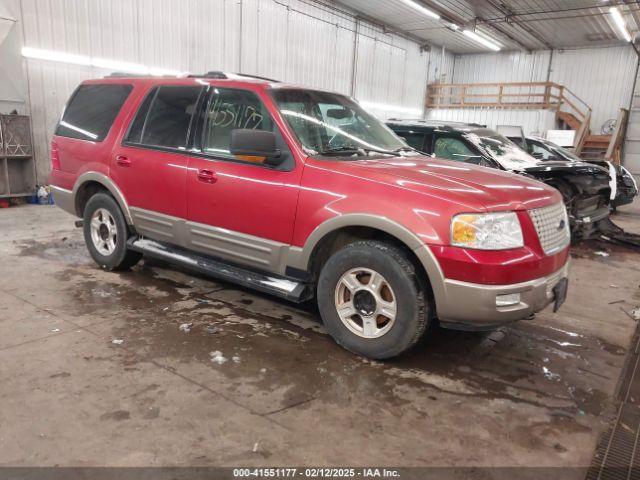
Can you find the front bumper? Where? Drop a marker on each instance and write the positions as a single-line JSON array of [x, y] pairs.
[[472, 306]]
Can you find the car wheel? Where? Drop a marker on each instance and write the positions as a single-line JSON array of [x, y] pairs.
[[371, 299], [106, 234]]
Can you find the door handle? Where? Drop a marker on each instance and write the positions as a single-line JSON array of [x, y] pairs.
[[207, 176], [123, 161]]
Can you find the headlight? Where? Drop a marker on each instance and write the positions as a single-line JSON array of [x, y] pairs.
[[487, 231]]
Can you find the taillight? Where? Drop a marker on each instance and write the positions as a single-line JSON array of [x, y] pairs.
[[55, 156]]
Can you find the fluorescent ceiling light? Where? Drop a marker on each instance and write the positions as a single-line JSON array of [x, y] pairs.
[[120, 66], [619, 21], [488, 38], [421, 8], [481, 40], [113, 65], [55, 56]]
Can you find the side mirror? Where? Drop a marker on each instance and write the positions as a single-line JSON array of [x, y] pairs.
[[255, 146], [538, 155]]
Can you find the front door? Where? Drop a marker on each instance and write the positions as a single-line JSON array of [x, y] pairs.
[[240, 210]]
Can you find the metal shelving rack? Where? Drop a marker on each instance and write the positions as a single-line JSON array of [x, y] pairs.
[[17, 165]]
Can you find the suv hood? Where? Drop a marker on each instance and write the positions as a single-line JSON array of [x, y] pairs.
[[475, 188]]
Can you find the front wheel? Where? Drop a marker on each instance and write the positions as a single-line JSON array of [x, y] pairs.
[[372, 300], [106, 233]]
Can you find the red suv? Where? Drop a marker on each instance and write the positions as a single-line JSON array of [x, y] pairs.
[[301, 193]]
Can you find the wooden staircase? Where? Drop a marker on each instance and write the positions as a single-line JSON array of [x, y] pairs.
[[572, 113], [568, 119], [594, 147]]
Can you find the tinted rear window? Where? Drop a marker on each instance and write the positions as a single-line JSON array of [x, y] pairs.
[[92, 110], [164, 117]]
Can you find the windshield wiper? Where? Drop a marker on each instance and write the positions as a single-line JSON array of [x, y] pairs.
[[343, 149], [405, 149], [355, 150]]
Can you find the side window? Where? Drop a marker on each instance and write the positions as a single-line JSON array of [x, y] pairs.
[[92, 110], [231, 109], [164, 118], [413, 139], [137, 126], [540, 152], [455, 149]]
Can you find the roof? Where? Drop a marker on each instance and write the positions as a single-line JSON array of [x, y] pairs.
[[220, 78], [417, 123]]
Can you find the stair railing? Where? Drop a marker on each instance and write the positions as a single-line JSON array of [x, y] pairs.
[[516, 96]]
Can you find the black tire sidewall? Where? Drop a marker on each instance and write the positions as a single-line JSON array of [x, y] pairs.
[[410, 299], [117, 258]]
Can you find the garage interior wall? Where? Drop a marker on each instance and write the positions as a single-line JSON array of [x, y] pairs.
[[601, 77], [298, 41]]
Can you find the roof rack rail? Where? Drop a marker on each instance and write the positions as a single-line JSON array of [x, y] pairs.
[[257, 77], [215, 74]]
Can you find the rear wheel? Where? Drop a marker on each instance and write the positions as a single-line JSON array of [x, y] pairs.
[[106, 233], [372, 300]]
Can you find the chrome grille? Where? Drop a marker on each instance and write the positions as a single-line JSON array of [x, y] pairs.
[[547, 221]]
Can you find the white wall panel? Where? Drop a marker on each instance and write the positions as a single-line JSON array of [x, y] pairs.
[[532, 121], [601, 77], [292, 40], [440, 67], [502, 67]]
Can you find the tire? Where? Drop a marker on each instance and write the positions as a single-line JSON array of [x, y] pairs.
[[370, 331], [107, 243]]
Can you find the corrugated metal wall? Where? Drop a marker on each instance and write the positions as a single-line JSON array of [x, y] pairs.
[[297, 41], [602, 77], [502, 67], [533, 122]]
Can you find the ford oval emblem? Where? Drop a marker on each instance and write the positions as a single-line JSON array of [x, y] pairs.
[[561, 225]]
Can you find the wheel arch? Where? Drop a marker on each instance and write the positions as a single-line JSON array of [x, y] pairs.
[[90, 182], [335, 233]]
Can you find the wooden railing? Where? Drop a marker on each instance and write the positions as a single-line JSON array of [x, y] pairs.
[[516, 96]]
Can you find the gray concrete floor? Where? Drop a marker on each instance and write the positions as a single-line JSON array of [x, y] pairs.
[[536, 393]]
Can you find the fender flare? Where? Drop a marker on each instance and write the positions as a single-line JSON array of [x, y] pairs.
[[300, 258], [107, 183]]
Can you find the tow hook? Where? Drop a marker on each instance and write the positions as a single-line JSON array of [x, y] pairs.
[[79, 223]]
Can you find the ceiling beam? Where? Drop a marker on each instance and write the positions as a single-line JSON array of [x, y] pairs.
[[510, 17], [450, 17]]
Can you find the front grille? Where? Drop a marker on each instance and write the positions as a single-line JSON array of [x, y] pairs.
[[552, 226]]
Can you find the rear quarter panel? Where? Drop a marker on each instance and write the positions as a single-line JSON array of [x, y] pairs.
[[79, 156]]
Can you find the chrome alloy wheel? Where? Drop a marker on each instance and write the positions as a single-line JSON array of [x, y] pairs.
[[103, 231], [365, 303]]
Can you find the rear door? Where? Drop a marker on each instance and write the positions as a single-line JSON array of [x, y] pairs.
[[150, 165], [240, 209]]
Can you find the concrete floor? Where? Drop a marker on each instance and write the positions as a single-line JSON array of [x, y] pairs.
[[537, 393]]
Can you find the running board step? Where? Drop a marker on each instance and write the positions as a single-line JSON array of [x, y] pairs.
[[289, 289]]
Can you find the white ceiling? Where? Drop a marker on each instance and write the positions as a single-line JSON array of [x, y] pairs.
[[516, 24]]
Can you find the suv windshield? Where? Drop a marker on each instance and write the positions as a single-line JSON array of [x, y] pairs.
[[328, 124], [501, 149]]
